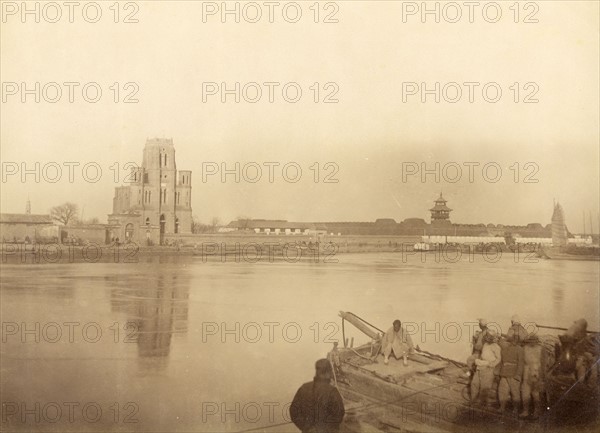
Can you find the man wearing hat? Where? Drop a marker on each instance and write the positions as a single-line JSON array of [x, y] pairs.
[[511, 372], [516, 329], [534, 372], [477, 344], [484, 375], [318, 406]]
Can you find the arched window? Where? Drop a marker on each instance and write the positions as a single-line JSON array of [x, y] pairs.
[[129, 231], [147, 221]]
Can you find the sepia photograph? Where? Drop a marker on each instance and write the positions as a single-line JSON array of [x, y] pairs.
[[311, 216]]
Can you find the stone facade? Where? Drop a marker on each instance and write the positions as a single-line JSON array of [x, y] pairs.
[[158, 200]]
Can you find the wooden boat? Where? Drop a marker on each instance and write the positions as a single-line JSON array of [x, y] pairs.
[[431, 393]]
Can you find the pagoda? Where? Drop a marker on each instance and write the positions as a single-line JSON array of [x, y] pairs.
[[440, 213]]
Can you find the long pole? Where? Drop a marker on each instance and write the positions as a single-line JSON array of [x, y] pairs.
[[563, 329]]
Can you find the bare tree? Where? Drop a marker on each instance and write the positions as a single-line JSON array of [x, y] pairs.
[[243, 222], [198, 227], [65, 213], [215, 222], [195, 224]]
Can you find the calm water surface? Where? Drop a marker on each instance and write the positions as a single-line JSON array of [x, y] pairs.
[[175, 344]]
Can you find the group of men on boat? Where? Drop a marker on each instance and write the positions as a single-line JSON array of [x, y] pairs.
[[517, 362]]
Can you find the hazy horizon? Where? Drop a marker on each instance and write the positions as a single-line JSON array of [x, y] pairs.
[[369, 133]]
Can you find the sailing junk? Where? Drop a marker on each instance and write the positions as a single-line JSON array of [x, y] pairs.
[[559, 230]]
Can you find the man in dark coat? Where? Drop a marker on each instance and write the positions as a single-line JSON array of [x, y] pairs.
[[517, 330], [317, 406], [511, 373]]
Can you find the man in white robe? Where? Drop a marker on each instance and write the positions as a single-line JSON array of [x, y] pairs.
[[396, 340]]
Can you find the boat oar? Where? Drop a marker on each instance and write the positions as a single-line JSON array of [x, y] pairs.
[[563, 329]]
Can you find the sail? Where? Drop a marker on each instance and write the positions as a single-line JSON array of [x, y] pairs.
[[559, 230]]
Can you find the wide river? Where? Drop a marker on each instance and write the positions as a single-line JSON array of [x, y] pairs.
[[178, 344]]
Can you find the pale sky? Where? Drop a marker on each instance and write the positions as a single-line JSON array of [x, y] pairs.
[[369, 133]]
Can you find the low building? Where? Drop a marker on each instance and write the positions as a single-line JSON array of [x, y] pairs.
[[27, 228], [440, 226], [276, 227]]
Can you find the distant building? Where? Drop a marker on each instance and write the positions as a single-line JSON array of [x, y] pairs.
[[440, 213], [158, 200], [276, 227], [440, 226], [27, 227]]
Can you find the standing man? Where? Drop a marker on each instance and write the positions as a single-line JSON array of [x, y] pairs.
[[484, 375], [477, 344], [317, 406], [397, 341], [517, 329], [334, 359], [511, 372], [534, 374]]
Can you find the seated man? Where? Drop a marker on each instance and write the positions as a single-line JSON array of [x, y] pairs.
[[397, 341]]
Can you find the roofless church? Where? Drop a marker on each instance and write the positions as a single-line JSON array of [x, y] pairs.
[[158, 200]]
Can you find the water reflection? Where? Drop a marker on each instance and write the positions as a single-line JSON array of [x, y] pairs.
[[156, 309], [442, 274], [558, 286]]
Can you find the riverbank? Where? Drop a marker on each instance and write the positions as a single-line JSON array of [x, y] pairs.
[[250, 252], [262, 248], [223, 247]]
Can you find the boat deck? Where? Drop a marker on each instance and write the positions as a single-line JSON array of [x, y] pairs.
[[396, 371]]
